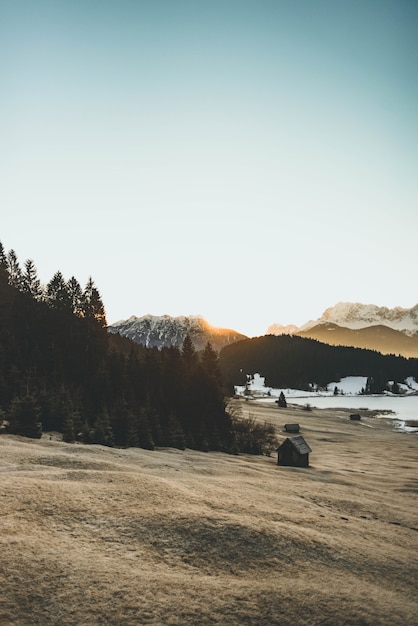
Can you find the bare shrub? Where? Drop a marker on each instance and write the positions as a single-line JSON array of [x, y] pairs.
[[252, 436]]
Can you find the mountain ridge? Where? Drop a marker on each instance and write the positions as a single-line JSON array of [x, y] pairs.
[[355, 315], [390, 331], [165, 330]]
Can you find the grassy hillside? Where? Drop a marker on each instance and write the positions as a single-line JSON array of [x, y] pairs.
[[94, 535]]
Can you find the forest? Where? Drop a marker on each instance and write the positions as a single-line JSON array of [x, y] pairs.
[[60, 370], [297, 362]]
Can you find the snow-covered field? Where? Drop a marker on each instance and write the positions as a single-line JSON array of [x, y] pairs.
[[349, 386], [404, 407]]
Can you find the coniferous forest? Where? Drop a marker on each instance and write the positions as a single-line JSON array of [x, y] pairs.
[[297, 362], [60, 370]]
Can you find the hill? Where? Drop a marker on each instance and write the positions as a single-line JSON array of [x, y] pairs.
[[292, 361], [378, 337]]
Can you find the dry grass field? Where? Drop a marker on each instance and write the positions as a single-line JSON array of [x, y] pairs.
[[93, 535]]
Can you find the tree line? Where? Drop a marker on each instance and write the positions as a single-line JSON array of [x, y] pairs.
[[297, 362], [60, 370]]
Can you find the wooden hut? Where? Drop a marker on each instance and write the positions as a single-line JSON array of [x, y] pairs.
[[294, 451], [292, 428]]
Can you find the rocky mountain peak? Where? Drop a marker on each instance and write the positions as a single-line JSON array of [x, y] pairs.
[[355, 315], [164, 331]]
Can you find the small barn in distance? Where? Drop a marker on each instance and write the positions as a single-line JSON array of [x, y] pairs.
[[294, 451], [292, 428]]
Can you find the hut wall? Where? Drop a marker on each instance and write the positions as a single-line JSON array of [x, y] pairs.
[[289, 456]]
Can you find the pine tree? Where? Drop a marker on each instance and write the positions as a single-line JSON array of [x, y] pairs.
[[282, 401], [75, 296], [14, 270], [24, 417], [68, 433], [395, 387], [30, 281], [189, 356], [4, 274], [92, 304], [57, 295], [102, 431], [145, 439], [175, 435], [210, 363]]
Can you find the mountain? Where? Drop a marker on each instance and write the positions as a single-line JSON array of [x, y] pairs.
[[165, 331], [355, 315], [278, 329], [390, 331]]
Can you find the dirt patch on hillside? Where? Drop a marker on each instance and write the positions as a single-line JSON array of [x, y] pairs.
[[93, 535]]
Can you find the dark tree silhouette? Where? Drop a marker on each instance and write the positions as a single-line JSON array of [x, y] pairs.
[[30, 281], [282, 401], [14, 270], [57, 295]]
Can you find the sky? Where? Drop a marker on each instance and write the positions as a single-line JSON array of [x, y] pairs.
[[253, 162]]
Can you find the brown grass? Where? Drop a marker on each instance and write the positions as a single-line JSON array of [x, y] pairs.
[[93, 535]]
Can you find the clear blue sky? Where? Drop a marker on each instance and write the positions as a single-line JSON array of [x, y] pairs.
[[249, 161]]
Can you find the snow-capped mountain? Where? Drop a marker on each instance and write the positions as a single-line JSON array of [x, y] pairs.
[[279, 329], [390, 331], [165, 331], [355, 315]]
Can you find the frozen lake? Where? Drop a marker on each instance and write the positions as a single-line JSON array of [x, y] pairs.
[[405, 407]]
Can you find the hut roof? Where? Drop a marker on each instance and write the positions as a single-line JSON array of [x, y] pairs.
[[299, 443]]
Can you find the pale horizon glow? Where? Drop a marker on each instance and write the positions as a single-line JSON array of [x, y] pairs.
[[250, 162]]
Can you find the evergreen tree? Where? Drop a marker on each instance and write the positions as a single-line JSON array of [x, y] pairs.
[[4, 274], [75, 296], [189, 356], [175, 435], [68, 432], [282, 401], [30, 281], [14, 270], [145, 439], [130, 435], [24, 417], [102, 431], [92, 305], [123, 423], [395, 387], [57, 295], [210, 363]]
